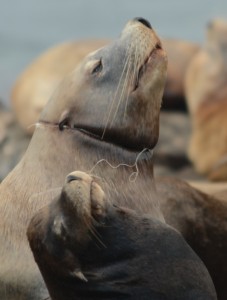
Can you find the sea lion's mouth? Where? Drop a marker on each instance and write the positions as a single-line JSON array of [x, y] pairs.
[[147, 60], [111, 136]]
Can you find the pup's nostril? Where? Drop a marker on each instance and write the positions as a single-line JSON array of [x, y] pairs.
[[72, 178], [144, 22]]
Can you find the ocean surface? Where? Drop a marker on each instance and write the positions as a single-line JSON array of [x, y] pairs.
[[28, 27]]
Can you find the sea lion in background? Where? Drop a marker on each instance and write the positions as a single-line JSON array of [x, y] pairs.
[[206, 91], [180, 54], [91, 116], [13, 141], [36, 84], [86, 247], [212, 188], [6, 118]]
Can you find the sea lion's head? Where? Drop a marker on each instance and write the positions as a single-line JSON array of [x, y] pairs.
[[217, 35], [67, 238], [115, 94]]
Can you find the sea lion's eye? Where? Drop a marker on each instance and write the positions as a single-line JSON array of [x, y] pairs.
[[98, 67], [64, 124]]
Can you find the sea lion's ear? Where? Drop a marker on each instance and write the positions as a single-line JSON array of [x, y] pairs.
[[78, 274]]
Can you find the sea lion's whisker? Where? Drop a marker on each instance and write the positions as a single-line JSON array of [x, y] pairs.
[[94, 233], [140, 61], [133, 76], [113, 186], [123, 88], [116, 93], [127, 56], [98, 177]]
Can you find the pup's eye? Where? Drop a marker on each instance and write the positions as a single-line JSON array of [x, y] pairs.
[[98, 67]]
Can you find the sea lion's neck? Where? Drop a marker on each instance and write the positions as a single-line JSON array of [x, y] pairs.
[[38, 179], [52, 154]]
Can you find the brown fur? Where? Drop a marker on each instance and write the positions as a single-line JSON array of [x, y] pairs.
[[202, 221], [180, 53], [207, 100]]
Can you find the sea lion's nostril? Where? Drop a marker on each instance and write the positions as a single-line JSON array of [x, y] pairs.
[[72, 178], [144, 22]]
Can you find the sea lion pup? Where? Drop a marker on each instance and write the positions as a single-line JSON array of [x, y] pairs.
[[86, 248], [107, 108], [206, 91]]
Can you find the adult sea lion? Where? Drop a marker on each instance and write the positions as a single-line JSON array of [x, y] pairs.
[[87, 248], [90, 117], [206, 91], [108, 108]]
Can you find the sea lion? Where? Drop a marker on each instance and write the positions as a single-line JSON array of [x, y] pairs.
[[91, 116], [35, 85], [88, 248], [13, 141], [206, 91], [105, 112], [180, 54], [201, 219], [211, 188]]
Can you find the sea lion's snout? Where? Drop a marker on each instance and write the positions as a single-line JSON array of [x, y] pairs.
[[144, 22], [83, 197], [72, 178], [77, 175]]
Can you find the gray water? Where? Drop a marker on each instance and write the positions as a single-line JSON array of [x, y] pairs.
[[28, 27]]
